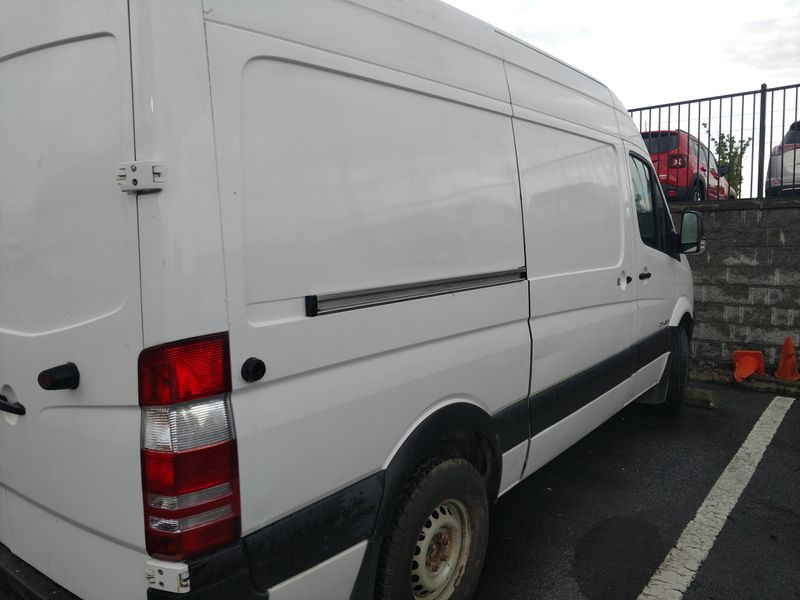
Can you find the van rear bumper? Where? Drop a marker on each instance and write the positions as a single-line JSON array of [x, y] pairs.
[[266, 558], [224, 573], [229, 578], [26, 581]]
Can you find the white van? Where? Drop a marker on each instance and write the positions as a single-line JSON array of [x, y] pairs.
[[292, 291]]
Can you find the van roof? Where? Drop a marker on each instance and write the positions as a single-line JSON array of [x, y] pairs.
[[461, 27]]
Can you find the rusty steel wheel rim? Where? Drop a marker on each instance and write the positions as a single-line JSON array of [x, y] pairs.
[[441, 552]]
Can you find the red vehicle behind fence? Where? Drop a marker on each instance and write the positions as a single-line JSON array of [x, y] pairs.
[[686, 168]]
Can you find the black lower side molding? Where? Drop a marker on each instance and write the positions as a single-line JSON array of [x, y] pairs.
[[26, 581], [314, 534]]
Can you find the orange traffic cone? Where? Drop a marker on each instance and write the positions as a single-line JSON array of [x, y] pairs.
[[746, 363], [787, 365]]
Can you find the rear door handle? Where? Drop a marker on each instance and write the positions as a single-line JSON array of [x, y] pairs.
[[15, 408], [645, 275]]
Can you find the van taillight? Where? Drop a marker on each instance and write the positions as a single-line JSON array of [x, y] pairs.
[[189, 463], [677, 161]]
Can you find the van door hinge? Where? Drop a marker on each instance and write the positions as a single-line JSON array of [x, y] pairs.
[[140, 176], [168, 576]]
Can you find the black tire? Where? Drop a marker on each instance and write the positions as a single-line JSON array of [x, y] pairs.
[[678, 366], [698, 193], [441, 494]]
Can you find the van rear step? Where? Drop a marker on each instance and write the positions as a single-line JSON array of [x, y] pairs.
[[26, 581]]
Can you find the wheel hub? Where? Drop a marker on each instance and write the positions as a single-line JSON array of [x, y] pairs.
[[438, 551], [441, 552]]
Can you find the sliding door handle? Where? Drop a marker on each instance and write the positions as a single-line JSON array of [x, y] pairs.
[[645, 275]]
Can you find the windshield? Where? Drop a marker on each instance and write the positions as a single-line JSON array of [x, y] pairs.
[[660, 142]]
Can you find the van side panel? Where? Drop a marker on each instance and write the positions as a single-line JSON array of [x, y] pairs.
[[351, 184], [183, 277], [342, 173]]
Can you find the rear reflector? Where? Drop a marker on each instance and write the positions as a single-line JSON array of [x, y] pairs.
[[189, 458]]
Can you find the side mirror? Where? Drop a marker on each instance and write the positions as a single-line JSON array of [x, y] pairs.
[[723, 170], [692, 240]]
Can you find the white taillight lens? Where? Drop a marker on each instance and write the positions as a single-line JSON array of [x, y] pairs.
[[187, 523], [186, 426], [190, 500]]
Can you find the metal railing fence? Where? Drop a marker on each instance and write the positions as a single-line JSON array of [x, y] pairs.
[[745, 127]]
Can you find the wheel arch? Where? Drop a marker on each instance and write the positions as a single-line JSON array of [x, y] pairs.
[[682, 316], [457, 429], [699, 179], [445, 431]]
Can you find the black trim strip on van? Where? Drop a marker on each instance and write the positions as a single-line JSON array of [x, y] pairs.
[[314, 534], [550, 406], [653, 346], [325, 304], [512, 424], [29, 583], [561, 400]]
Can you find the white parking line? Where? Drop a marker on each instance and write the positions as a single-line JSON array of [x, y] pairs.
[[679, 568]]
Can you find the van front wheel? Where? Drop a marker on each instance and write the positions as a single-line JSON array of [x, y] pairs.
[[435, 547], [678, 372]]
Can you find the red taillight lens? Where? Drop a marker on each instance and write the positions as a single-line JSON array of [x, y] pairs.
[[677, 161], [189, 459], [178, 473], [181, 372]]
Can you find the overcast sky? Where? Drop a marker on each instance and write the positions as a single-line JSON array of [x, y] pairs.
[[658, 52]]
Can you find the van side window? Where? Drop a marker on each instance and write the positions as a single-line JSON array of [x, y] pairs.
[[654, 222], [693, 148]]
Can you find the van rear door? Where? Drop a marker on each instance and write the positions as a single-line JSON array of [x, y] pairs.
[[70, 483]]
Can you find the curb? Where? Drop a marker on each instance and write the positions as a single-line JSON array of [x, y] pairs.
[[756, 383]]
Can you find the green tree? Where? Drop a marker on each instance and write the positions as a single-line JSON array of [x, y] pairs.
[[730, 152]]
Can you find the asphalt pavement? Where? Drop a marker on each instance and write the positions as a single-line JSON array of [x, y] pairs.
[[596, 522]]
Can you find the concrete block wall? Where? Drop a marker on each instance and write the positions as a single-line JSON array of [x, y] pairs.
[[747, 284]]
